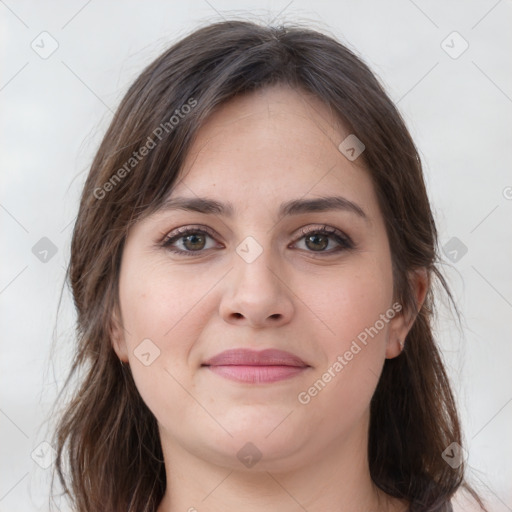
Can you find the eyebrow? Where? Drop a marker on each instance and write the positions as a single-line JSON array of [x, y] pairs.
[[293, 207]]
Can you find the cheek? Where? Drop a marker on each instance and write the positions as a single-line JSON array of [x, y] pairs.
[[351, 301], [163, 314], [355, 306], [157, 302]]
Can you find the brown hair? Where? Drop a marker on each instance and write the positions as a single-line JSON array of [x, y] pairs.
[[109, 455]]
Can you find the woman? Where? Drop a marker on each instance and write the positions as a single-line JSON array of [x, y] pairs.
[[252, 266]]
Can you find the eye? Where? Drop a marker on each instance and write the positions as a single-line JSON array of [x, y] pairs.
[[189, 240], [194, 240], [322, 240]]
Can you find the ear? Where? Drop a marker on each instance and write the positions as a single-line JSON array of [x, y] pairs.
[[117, 336], [402, 322]]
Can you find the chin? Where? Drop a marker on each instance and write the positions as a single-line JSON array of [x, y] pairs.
[[259, 444]]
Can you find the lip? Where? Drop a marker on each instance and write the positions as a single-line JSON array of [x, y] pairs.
[[264, 366]]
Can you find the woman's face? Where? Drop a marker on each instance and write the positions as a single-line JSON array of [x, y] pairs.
[[286, 251]]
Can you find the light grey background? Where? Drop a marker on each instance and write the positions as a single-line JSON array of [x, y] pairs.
[[54, 111]]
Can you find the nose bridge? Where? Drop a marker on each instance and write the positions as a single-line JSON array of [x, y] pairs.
[[257, 293], [254, 270]]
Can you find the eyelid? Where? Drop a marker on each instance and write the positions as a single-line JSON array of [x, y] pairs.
[[326, 229], [184, 230]]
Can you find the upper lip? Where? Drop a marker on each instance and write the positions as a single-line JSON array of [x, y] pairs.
[[246, 357]]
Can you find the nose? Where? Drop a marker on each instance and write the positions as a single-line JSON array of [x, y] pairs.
[[256, 294]]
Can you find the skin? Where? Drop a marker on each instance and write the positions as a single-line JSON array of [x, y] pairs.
[[256, 152]]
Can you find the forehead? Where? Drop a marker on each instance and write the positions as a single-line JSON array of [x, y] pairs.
[[275, 143]]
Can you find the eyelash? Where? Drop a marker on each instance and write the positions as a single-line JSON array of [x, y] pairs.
[[344, 241]]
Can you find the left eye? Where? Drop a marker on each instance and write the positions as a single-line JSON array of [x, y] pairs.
[[321, 240]]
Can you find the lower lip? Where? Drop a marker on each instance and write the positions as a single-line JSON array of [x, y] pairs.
[[257, 374]]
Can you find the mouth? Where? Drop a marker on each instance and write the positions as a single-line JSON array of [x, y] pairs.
[[256, 367]]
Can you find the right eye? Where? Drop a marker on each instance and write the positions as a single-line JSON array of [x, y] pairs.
[[189, 240]]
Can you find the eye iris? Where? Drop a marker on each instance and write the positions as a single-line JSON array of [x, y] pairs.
[[194, 242], [321, 241]]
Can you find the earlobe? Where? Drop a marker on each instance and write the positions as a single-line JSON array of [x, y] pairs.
[[401, 324], [116, 333]]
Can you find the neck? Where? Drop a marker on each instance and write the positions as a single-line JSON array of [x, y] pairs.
[[337, 480]]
